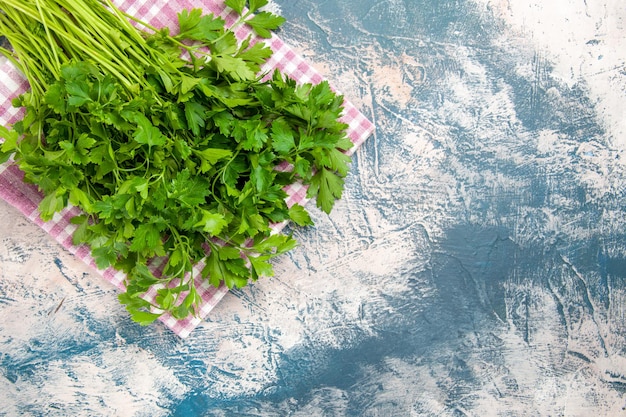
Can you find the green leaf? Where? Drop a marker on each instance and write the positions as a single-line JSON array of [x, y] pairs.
[[194, 113], [283, 140], [77, 94], [142, 277], [237, 266], [4, 156], [264, 22], [77, 71], [176, 257], [133, 301], [256, 55], [9, 146], [299, 215], [128, 229], [166, 79], [227, 252], [335, 160], [276, 243], [143, 318], [255, 135], [148, 134], [261, 266], [321, 94], [55, 98], [257, 4], [261, 177], [226, 45], [288, 244], [224, 121], [174, 116], [236, 5], [301, 111], [236, 67], [104, 207], [81, 233], [224, 264], [79, 198], [192, 300], [183, 149], [188, 20], [188, 83], [233, 280], [180, 312], [104, 256], [210, 156], [214, 270], [147, 236], [211, 223], [51, 204], [232, 171], [326, 186], [302, 167], [131, 207], [191, 191], [142, 187], [84, 143], [165, 298], [70, 151], [194, 26]]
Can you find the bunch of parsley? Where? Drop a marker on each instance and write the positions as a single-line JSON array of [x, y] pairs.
[[174, 146]]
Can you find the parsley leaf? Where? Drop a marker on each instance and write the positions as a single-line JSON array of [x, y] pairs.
[[211, 223], [264, 22], [236, 5], [235, 66], [195, 26], [147, 133], [257, 4], [300, 216], [283, 140], [326, 186]]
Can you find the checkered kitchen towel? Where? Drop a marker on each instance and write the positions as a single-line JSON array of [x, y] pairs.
[[159, 13]]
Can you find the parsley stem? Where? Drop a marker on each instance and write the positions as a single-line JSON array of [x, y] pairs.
[[53, 46], [75, 38]]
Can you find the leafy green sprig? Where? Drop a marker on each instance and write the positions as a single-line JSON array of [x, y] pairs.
[[175, 147]]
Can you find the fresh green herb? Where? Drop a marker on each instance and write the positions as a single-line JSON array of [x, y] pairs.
[[175, 147]]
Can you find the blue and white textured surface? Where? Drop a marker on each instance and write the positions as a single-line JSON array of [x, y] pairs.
[[475, 267]]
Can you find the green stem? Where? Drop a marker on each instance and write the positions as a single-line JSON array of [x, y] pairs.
[[51, 43]]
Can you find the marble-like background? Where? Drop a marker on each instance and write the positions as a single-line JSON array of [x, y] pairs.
[[475, 267]]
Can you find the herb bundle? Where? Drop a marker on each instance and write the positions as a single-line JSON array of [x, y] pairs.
[[175, 147]]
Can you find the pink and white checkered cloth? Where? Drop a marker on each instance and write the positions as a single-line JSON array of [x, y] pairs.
[[159, 13]]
